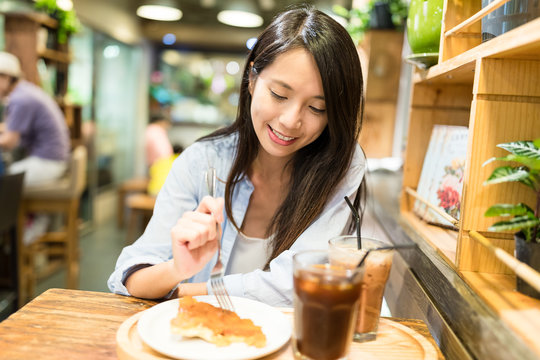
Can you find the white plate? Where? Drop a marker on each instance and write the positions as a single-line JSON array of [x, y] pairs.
[[154, 330]]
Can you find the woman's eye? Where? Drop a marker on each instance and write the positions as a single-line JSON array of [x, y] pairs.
[[317, 110], [279, 97]]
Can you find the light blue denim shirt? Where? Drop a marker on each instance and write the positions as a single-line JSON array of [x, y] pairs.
[[184, 189]]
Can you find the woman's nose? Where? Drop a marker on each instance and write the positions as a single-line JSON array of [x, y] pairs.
[[291, 117]]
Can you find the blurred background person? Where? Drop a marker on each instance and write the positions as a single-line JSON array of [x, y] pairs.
[[157, 143], [34, 124]]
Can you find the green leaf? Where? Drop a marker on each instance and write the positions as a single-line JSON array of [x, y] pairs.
[[509, 210], [507, 174], [522, 148], [341, 11], [531, 163], [528, 233], [517, 223], [537, 143], [491, 160]]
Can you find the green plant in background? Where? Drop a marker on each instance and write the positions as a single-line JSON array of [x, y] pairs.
[[358, 19], [526, 154], [68, 23]]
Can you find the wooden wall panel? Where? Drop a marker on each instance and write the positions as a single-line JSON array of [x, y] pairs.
[[472, 256], [382, 52], [493, 125], [406, 298], [509, 77], [20, 38], [457, 96], [376, 137]]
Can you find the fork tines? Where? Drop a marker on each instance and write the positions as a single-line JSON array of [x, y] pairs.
[[224, 301]]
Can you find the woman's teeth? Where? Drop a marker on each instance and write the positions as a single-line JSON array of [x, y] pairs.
[[282, 137]]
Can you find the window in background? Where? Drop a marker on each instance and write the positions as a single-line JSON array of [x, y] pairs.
[[118, 78], [79, 91], [197, 87], [81, 71]]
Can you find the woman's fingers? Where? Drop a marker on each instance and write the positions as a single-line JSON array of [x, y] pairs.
[[195, 236], [210, 205], [189, 262], [194, 229]]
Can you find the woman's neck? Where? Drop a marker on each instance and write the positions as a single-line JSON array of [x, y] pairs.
[[271, 168], [270, 177]]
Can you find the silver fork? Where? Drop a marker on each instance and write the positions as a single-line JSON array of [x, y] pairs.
[[216, 276]]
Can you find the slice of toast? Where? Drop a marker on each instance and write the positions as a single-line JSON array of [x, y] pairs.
[[215, 325]]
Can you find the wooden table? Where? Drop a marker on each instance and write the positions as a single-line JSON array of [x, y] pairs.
[[74, 324]]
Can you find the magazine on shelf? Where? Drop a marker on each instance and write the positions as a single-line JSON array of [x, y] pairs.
[[441, 179]]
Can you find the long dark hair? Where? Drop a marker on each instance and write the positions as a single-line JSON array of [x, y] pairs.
[[320, 166]]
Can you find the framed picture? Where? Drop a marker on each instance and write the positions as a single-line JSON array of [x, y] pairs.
[[441, 179]]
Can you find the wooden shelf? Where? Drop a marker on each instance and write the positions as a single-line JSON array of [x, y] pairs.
[[55, 55], [37, 17], [520, 43], [520, 312], [458, 29], [442, 240], [492, 88]]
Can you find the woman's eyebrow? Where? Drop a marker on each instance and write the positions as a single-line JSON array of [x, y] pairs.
[[287, 86]]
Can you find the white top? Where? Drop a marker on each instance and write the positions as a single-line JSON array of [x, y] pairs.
[[249, 254]]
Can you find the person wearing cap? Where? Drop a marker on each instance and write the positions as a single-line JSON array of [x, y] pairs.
[[33, 121]]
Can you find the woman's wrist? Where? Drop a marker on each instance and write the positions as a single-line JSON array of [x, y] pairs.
[[154, 282], [191, 289], [173, 273]]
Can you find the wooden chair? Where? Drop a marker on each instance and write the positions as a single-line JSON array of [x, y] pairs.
[[130, 186], [141, 207], [59, 197], [10, 197]]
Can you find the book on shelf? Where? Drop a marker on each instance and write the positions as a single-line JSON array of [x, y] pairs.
[[441, 179]]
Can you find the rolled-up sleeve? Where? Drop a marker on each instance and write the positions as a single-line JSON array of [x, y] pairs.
[[179, 194]]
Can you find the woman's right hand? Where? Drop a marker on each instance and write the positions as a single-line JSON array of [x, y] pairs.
[[195, 237]]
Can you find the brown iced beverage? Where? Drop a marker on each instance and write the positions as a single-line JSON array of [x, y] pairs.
[[325, 305], [376, 270]]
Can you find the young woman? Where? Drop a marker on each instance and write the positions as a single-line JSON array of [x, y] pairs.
[[283, 170]]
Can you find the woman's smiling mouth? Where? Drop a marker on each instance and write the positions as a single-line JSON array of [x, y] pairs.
[[280, 138]]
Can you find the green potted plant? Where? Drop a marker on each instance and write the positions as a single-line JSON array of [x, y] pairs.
[[68, 23], [524, 167], [373, 14]]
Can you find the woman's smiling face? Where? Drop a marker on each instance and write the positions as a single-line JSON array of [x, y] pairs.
[[288, 110]]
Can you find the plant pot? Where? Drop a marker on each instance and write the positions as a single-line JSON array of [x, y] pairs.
[[424, 25], [381, 17], [509, 16], [529, 253]]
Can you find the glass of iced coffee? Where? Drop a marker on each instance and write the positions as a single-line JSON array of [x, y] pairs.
[[343, 251], [325, 305]]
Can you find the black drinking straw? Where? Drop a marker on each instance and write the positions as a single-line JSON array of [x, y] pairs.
[[357, 219], [391, 247]]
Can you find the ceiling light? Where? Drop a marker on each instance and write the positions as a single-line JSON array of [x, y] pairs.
[[111, 51], [240, 18], [169, 39], [232, 67], [171, 57], [159, 12], [250, 43]]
